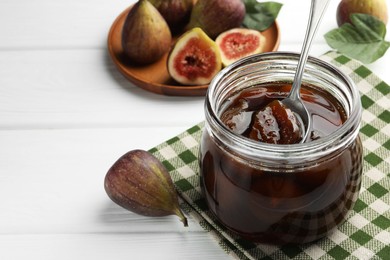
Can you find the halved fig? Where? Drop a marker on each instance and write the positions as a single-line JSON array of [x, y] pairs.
[[194, 59], [238, 43]]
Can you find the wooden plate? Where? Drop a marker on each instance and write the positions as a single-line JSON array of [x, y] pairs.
[[155, 77]]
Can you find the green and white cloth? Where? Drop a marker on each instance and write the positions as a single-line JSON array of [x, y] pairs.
[[365, 234]]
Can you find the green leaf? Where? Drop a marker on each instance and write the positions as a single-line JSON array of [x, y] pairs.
[[363, 39], [260, 15], [370, 24]]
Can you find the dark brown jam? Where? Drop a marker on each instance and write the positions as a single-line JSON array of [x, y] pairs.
[[256, 113], [280, 204]]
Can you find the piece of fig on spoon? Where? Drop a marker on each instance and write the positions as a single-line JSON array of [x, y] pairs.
[[139, 182], [276, 124]]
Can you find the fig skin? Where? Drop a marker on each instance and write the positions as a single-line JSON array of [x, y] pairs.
[[238, 43], [377, 8], [194, 59], [146, 36], [140, 183], [217, 16], [175, 12]]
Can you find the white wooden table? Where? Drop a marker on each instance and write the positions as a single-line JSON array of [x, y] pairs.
[[66, 114]]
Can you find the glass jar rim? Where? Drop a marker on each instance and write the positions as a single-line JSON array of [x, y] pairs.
[[323, 146]]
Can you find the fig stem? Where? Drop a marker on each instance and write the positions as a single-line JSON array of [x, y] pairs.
[[183, 218]]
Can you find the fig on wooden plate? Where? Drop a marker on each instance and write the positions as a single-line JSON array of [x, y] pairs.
[[217, 16], [145, 35], [194, 59], [139, 182], [238, 43], [175, 12], [377, 8]]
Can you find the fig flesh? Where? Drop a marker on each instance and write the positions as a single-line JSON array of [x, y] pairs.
[[217, 16], [139, 182], [377, 8], [145, 35], [175, 12], [194, 59], [238, 43]]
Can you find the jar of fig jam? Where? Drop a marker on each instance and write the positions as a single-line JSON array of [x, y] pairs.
[[273, 192]]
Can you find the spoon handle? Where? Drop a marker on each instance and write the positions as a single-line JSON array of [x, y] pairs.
[[317, 10]]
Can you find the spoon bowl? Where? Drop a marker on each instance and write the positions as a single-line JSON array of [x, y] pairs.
[[293, 101]]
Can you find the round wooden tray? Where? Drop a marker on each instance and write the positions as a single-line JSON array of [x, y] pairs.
[[154, 77]]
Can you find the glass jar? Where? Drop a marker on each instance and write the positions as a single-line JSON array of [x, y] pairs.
[[274, 193]]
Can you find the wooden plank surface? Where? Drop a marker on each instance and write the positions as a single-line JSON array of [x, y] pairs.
[[66, 115]]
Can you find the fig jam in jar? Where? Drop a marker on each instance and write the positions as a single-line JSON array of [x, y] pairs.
[[273, 192]]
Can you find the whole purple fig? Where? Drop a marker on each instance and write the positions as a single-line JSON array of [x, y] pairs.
[[145, 34], [217, 16], [139, 182], [175, 12]]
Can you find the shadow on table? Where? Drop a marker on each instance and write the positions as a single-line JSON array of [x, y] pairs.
[[118, 219]]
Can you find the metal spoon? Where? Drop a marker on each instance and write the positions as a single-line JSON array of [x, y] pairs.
[[293, 100]]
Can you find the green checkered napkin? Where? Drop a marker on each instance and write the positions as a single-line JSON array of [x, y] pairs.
[[365, 234]]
